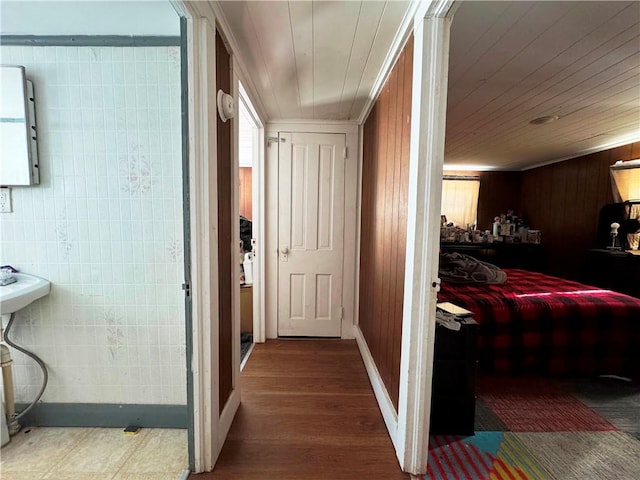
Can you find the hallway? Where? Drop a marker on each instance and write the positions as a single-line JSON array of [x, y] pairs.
[[307, 411]]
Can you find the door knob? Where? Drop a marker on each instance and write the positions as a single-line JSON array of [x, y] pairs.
[[284, 250]]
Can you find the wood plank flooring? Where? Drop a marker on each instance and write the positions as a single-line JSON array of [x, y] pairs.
[[308, 412]]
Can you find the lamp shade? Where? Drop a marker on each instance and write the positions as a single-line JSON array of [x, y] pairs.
[[625, 180]]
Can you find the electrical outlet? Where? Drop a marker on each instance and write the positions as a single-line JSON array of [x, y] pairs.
[[5, 200]]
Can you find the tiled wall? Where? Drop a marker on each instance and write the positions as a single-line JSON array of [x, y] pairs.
[[104, 226]]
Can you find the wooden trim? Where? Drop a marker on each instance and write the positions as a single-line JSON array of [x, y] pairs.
[[428, 121], [601, 148], [235, 230], [186, 221], [397, 45], [385, 403], [258, 201], [203, 252], [227, 416], [312, 126], [259, 268], [241, 70], [270, 248], [356, 318], [107, 415], [210, 426], [90, 40]]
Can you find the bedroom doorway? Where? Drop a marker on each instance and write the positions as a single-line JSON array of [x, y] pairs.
[[249, 151]]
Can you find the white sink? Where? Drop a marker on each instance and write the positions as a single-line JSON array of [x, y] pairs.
[[21, 293]]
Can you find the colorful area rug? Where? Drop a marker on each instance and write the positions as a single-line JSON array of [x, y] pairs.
[[486, 455], [585, 455], [539, 405], [547, 429]]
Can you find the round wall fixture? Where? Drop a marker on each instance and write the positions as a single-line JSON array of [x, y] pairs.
[[226, 107]]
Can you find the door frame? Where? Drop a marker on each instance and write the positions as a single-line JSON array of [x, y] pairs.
[[408, 427], [350, 259], [432, 27], [258, 212], [207, 429]]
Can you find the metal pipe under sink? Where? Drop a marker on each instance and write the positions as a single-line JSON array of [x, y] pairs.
[[12, 417]]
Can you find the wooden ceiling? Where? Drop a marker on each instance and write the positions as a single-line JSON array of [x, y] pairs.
[[512, 62], [314, 60]]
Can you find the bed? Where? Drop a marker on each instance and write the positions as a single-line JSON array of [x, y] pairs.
[[538, 323]]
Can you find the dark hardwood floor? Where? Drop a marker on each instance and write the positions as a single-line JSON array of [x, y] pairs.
[[308, 412]]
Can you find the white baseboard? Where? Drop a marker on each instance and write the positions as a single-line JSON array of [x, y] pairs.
[[389, 413]]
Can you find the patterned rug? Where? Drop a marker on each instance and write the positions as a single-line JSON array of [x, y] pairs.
[[586, 455], [486, 455], [539, 405], [539, 429]]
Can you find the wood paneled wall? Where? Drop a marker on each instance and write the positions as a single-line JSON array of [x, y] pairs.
[[499, 191], [245, 192], [385, 179], [226, 224], [564, 199]]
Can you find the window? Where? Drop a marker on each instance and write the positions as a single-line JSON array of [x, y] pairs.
[[460, 199]]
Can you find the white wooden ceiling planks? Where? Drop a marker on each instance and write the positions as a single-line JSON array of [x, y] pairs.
[[510, 62], [577, 60], [314, 60]]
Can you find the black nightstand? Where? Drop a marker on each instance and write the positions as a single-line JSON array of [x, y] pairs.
[[613, 270], [453, 401]]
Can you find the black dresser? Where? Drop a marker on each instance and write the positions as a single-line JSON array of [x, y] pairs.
[[613, 270], [527, 256], [453, 401]]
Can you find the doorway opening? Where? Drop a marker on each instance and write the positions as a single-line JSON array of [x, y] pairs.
[[249, 127]]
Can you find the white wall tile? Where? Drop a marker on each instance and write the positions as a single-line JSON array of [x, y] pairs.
[[102, 226]]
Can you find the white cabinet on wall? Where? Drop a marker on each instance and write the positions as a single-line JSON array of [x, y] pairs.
[[18, 148]]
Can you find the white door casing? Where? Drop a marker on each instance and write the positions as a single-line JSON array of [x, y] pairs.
[[428, 121], [311, 178], [210, 426]]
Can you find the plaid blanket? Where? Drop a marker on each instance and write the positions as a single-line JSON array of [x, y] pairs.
[[543, 324]]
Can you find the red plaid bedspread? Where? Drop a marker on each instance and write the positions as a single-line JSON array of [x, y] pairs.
[[543, 324]]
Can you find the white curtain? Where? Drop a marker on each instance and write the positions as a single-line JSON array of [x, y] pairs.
[[460, 200]]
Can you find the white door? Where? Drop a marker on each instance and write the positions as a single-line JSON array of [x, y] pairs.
[[311, 171]]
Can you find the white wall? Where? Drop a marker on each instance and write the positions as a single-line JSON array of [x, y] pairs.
[[104, 226], [88, 17]]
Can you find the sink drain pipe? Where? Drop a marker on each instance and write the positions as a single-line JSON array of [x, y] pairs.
[[14, 426], [7, 383]]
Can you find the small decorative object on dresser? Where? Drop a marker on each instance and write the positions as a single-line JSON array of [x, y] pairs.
[[614, 233], [534, 236]]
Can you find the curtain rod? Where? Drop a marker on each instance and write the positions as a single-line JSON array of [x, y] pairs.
[[461, 177]]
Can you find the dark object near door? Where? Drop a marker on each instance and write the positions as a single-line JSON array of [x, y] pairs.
[[245, 233], [453, 400]]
